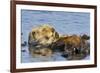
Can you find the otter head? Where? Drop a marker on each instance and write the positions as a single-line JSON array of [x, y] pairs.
[[44, 34]]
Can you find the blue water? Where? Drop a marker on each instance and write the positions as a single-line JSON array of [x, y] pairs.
[[63, 22]]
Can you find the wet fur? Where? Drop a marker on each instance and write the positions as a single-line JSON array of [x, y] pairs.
[[43, 35], [72, 46]]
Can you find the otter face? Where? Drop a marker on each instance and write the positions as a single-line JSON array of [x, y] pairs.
[[44, 35]]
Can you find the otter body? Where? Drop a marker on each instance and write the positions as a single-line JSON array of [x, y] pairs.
[[72, 47]]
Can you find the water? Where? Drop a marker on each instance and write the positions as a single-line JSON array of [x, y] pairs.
[[63, 22]]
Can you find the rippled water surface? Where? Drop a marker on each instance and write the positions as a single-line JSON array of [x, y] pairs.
[[63, 22]]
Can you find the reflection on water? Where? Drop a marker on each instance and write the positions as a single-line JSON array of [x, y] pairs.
[[63, 22]]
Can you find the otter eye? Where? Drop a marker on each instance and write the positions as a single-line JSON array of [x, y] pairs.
[[46, 37]]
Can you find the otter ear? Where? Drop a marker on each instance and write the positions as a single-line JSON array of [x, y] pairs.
[[85, 37]]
